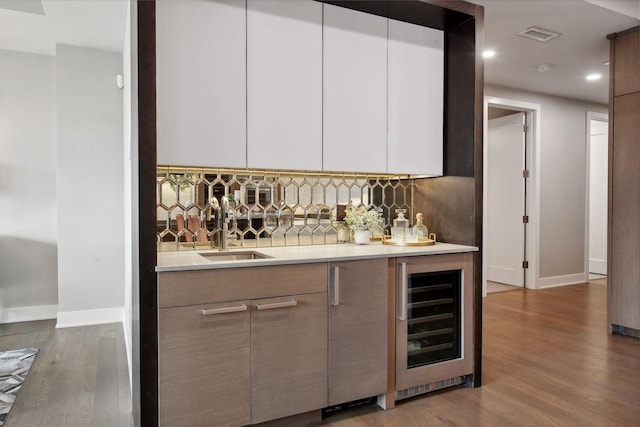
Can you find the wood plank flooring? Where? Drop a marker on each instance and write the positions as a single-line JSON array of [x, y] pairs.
[[494, 287], [79, 377], [548, 361]]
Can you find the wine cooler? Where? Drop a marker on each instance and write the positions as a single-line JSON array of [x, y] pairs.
[[434, 345]]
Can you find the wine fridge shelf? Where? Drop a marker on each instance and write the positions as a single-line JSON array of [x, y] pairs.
[[430, 303], [427, 334], [430, 349], [427, 319], [430, 288]]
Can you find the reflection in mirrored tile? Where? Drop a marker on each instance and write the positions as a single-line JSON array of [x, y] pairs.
[[268, 208]]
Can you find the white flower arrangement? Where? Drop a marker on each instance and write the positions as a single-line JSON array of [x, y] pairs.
[[361, 219]]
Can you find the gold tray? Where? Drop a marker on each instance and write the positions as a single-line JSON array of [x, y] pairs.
[[428, 242]]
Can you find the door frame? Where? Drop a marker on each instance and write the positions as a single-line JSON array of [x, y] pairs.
[[532, 186], [603, 117]]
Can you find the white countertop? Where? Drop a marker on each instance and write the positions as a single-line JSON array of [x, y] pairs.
[[192, 260]]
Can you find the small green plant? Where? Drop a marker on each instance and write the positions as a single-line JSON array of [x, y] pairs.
[[362, 219], [181, 179]]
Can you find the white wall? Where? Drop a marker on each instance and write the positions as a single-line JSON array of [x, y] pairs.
[[90, 187], [28, 265], [562, 171], [127, 188]]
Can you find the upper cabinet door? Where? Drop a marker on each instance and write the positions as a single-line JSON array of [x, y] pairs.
[[416, 99], [201, 82], [355, 91], [284, 84]]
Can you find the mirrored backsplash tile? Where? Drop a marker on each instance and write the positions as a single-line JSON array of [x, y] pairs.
[[268, 207]]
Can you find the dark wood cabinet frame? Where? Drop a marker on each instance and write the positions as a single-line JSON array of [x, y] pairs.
[[463, 24]]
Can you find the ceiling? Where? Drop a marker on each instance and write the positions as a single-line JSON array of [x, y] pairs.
[[37, 25], [581, 48]]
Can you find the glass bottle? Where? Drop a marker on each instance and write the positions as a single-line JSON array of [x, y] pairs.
[[421, 230], [400, 226], [401, 221]]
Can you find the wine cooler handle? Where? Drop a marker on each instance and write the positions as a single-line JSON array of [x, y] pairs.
[[284, 304], [403, 291], [224, 310], [336, 286]]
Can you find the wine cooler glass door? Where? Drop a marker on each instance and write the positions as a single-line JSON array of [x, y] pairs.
[[433, 317]]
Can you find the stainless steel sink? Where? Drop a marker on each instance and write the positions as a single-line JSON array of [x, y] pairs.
[[234, 256]]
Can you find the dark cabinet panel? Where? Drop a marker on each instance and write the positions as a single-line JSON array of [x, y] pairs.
[[625, 228], [627, 64]]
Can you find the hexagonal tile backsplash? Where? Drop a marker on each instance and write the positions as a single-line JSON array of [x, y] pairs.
[[268, 208]]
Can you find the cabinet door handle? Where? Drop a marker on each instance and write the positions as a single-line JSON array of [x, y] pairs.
[[291, 303], [224, 310], [336, 286], [403, 291]]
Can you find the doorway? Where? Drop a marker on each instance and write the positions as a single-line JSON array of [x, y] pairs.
[[597, 191], [511, 196], [506, 206]]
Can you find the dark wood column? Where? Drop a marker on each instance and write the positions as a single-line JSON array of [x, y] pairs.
[[144, 299]]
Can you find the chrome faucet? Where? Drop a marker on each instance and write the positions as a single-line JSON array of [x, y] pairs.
[[224, 222]]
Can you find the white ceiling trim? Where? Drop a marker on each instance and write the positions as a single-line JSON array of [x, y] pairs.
[[630, 8]]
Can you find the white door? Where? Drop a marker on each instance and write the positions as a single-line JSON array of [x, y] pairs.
[[506, 200], [598, 167]]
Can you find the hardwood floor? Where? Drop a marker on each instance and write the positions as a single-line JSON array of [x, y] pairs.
[[495, 287], [548, 361], [79, 376]]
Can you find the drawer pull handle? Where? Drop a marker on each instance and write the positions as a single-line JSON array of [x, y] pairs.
[[336, 286], [274, 305], [224, 310], [403, 291]]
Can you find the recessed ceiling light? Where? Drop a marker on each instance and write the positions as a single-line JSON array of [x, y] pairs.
[[594, 76], [543, 68], [488, 53]]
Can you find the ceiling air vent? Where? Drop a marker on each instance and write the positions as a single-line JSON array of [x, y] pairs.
[[539, 34]]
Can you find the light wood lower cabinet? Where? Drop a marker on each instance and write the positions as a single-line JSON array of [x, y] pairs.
[[288, 356], [204, 365], [357, 330], [243, 361]]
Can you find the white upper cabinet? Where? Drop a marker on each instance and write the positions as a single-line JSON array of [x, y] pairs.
[[284, 84], [355, 91], [416, 94], [201, 82]]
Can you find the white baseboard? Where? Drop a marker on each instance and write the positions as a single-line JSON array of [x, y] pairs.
[[99, 316], [127, 342], [555, 281], [28, 314]]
